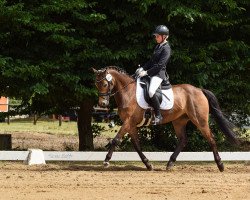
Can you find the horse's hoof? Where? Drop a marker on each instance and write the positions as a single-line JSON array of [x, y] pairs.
[[221, 167], [150, 167], [170, 165], [105, 164]]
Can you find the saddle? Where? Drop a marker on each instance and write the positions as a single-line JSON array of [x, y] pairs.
[[145, 82]]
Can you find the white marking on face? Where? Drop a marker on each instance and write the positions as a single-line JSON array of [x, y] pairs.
[[109, 77]]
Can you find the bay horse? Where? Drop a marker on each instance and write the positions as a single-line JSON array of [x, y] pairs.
[[190, 104]]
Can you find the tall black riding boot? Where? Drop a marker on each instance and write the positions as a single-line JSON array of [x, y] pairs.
[[156, 106]]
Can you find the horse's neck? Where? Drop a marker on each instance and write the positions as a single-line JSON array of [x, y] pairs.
[[123, 85], [121, 80]]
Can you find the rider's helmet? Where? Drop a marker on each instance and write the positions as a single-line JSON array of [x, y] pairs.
[[161, 30]]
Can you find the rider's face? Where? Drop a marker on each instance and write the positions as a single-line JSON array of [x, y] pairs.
[[160, 38]]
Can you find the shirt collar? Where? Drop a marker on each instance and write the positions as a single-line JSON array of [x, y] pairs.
[[165, 41]]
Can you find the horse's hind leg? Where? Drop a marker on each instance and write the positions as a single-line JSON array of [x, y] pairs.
[[210, 138], [202, 125], [135, 140], [180, 130]]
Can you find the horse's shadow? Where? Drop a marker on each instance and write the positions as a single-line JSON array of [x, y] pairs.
[[92, 167], [102, 168]]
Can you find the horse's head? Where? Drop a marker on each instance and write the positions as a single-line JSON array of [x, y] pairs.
[[104, 83]]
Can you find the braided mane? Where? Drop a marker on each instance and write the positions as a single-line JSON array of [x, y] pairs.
[[118, 69]]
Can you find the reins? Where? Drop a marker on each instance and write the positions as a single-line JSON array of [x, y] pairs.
[[114, 93]]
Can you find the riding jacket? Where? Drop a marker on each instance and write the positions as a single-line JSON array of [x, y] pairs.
[[156, 66]]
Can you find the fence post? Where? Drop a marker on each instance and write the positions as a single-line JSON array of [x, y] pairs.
[[35, 119], [8, 119], [60, 120]]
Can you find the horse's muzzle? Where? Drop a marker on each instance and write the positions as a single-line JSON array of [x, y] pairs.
[[104, 103]]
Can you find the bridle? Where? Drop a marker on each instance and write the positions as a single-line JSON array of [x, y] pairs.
[[101, 94], [108, 78]]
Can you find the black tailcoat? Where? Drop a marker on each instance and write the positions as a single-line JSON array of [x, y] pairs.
[[156, 66]]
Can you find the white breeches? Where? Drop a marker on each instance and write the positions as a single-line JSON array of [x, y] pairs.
[[155, 82]]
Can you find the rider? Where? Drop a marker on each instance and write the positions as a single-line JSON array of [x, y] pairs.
[[156, 67]]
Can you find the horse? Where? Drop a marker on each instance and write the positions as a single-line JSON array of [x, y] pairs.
[[190, 104]]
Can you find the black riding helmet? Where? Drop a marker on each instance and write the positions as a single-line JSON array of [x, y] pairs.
[[161, 30]]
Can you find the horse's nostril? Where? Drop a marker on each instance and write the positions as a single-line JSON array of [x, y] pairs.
[[104, 103]]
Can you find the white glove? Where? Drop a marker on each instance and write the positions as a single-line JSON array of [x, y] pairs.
[[143, 73], [138, 70]]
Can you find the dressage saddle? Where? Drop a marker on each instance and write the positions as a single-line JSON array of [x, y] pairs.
[[145, 82]]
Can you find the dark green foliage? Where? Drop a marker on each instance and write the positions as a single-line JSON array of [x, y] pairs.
[[43, 49], [97, 129]]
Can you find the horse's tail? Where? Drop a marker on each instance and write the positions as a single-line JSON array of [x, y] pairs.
[[225, 126]]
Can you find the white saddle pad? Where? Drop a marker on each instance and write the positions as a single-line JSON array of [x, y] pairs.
[[165, 104]]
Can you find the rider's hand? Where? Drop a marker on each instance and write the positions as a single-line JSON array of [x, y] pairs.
[[138, 70], [143, 73]]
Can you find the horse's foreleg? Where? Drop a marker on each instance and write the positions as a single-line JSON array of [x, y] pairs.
[[180, 130], [135, 140], [115, 142]]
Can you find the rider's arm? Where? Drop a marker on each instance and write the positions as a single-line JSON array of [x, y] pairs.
[[147, 65], [164, 57]]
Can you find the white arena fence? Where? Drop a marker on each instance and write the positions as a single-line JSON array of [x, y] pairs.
[[124, 156]]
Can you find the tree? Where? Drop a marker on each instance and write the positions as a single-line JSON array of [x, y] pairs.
[[47, 49]]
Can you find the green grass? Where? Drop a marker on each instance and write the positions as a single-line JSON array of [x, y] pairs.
[[50, 127]]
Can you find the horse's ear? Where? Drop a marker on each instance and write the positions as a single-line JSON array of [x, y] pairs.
[[94, 70]]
